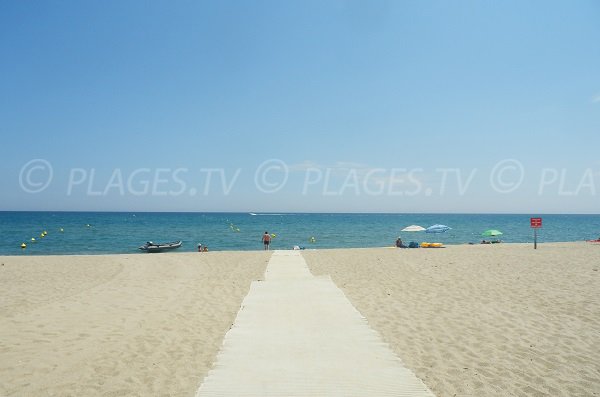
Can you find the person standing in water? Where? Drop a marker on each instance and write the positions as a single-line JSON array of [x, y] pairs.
[[266, 239]]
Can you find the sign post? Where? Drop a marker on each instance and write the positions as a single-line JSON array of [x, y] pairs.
[[536, 223]]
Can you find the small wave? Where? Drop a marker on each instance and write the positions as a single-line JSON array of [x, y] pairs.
[[254, 214]]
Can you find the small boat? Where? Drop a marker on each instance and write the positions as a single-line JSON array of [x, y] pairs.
[[153, 247]]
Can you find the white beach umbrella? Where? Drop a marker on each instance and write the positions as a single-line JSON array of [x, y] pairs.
[[413, 228]]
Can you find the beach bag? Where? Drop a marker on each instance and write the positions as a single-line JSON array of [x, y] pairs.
[[413, 244]]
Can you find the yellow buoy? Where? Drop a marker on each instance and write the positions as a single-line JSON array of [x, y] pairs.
[[23, 245], [273, 235], [33, 239], [312, 239], [42, 235]]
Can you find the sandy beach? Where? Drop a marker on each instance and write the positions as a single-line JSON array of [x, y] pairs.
[[494, 320], [482, 320], [117, 325]]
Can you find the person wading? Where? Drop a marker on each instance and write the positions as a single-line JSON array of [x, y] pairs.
[[266, 239]]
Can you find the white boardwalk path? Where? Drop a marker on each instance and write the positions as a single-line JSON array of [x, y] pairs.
[[298, 335]]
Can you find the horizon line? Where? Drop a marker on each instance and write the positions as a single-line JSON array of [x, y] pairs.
[[308, 212]]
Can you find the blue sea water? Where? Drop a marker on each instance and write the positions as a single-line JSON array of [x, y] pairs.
[[123, 232]]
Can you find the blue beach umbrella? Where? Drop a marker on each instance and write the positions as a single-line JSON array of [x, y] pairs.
[[437, 229]]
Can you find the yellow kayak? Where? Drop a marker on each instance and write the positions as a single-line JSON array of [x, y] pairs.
[[431, 245]]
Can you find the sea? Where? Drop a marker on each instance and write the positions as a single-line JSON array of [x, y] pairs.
[[73, 233]]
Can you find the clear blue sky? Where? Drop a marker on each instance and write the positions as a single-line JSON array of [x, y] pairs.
[[348, 94]]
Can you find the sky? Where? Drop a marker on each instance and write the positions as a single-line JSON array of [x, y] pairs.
[[300, 106]]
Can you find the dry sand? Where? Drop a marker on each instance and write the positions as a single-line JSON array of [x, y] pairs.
[[484, 320], [117, 325], [493, 320]]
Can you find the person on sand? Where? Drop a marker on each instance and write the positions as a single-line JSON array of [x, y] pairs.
[[266, 239], [399, 243]]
